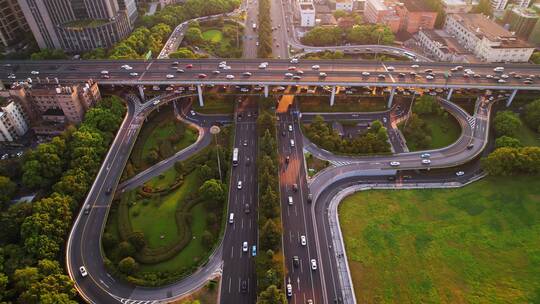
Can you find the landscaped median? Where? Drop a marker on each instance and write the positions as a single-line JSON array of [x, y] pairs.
[[160, 232], [477, 244], [161, 137]]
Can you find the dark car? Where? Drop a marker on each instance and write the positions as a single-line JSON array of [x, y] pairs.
[[246, 208], [109, 190], [244, 286], [296, 261], [309, 198], [287, 158], [295, 187], [391, 178]]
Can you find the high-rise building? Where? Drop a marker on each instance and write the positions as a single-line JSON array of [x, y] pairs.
[[520, 20], [13, 122], [79, 25], [12, 22]]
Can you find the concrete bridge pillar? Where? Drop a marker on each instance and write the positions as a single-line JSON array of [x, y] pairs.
[[511, 98], [201, 100], [141, 92], [391, 97], [449, 94], [333, 96], [266, 91]]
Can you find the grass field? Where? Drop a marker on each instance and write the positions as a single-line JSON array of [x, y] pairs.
[[444, 132], [157, 218], [193, 253], [215, 105], [478, 244], [527, 136], [315, 104], [212, 36], [165, 131]]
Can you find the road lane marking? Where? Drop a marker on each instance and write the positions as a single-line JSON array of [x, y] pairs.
[[232, 252]]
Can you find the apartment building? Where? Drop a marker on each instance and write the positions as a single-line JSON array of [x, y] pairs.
[[12, 23], [403, 16], [13, 123], [457, 6], [79, 25], [487, 40], [344, 5], [440, 46], [307, 14], [50, 107]]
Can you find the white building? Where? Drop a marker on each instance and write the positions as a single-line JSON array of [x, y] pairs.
[[307, 14], [344, 5], [486, 39], [441, 47], [498, 5], [12, 121], [457, 6]]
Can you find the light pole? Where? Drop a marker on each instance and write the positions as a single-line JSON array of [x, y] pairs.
[[214, 130]]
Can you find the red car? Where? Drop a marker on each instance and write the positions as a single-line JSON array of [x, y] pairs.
[[292, 68], [189, 66], [202, 75]]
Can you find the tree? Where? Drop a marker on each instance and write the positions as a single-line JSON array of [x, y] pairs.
[[137, 239], [7, 190], [425, 104], [506, 123], [128, 265], [109, 240], [507, 141], [125, 249], [532, 114], [48, 54], [206, 173], [270, 235], [193, 35], [212, 191], [183, 53], [340, 13], [484, 7], [535, 58], [272, 295], [323, 36], [3, 285]]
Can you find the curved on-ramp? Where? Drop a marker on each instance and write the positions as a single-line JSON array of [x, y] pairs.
[[84, 242]]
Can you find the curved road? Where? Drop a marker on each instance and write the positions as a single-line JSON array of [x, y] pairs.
[[84, 245]]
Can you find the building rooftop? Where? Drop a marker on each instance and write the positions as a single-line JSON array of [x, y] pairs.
[[524, 12], [378, 5], [343, 1], [417, 6], [446, 41], [307, 7], [482, 26]]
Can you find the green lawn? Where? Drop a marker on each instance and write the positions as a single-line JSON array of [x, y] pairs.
[[157, 218], [478, 244], [527, 136], [444, 132], [213, 36], [349, 104], [193, 253], [165, 131], [215, 105]]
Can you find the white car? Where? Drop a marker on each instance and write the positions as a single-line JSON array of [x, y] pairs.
[[239, 185], [395, 163], [415, 66], [294, 60], [245, 247], [315, 67], [429, 77], [313, 264], [169, 76], [322, 74], [289, 75], [192, 113], [426, 161], [460, 173], [83, 271], [425, 155], [303, 240], [229, 76], [365, 74], [34, 73], [390, 68], [290, 128], [247, 74], [289, 290], [134, 74], [263, 65], [12, 76]]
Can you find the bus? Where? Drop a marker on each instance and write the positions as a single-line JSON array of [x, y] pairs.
[[410, 55], [235, 157]]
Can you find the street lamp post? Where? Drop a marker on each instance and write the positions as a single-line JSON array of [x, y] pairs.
[[214, 130]]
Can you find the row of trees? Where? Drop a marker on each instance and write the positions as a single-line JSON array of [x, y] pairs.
[[269, 263], [33, 235], [358, 34], [374, 140], [510, 156], [265, 30]]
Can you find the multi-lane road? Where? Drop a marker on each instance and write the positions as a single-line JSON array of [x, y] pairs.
[[239, 284], [339, 73]]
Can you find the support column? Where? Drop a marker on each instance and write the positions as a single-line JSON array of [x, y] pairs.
[[266, 91], [391, 97], [141, 92], [201, 100], [333, 96], [511, 98], [449, 94]]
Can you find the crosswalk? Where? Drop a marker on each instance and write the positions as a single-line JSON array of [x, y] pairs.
[[338, 163], [472, 121]]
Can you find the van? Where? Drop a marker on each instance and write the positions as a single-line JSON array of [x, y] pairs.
[[231, 218], [290, 200], [292, 142]]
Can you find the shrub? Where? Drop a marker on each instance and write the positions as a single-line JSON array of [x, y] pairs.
[[128, 265]]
